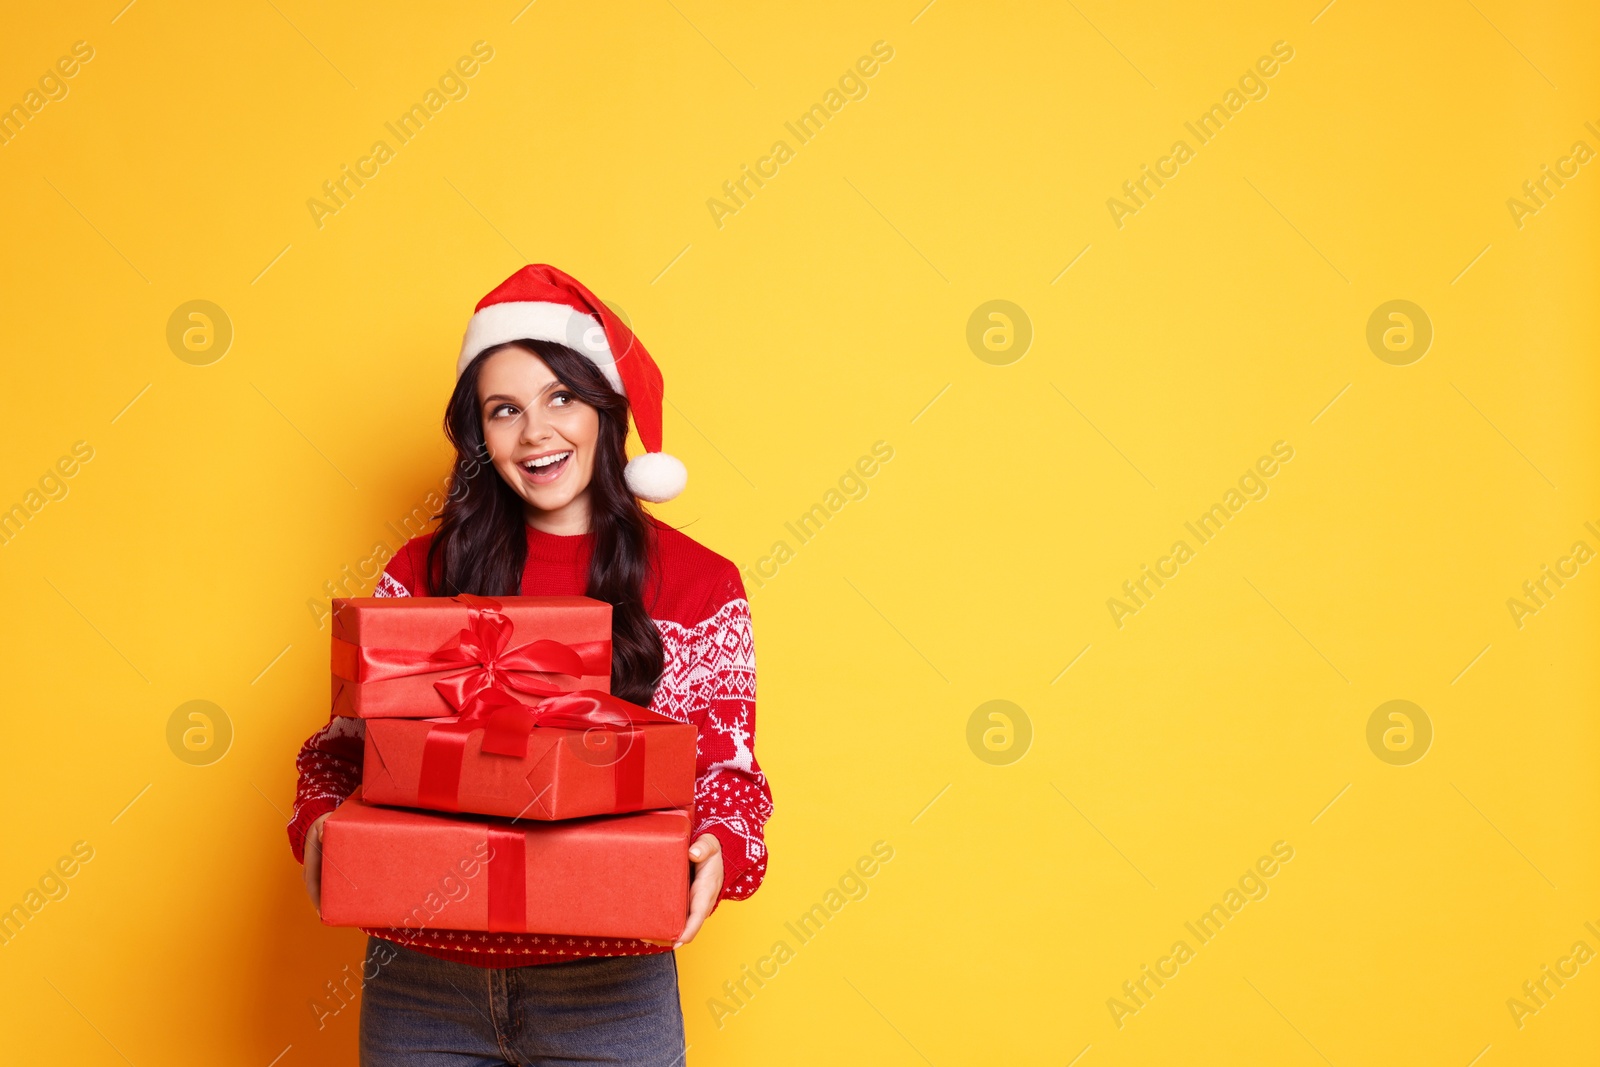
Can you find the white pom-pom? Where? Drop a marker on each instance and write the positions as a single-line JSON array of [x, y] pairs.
[[655, 476]]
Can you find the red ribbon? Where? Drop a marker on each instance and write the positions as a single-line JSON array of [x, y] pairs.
[[508, 881], [538, 667], [507, 724]]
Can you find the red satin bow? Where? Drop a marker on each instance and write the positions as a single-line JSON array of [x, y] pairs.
[[491, 667], [507, 724]]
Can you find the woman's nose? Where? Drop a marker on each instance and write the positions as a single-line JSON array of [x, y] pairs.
[[534, 426]]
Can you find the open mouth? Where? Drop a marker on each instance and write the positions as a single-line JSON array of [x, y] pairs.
[[546, 468]]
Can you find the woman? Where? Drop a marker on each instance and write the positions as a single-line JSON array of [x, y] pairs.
[[543, 502]]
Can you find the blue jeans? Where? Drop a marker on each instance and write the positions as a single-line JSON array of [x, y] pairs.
[[420, 1011]]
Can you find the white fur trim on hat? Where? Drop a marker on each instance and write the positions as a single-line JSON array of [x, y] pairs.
[[655, 476], [539, 321]]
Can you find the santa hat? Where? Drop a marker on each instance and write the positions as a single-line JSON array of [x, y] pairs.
[[541, 303]]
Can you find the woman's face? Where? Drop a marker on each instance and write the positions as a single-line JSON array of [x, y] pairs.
[[541, 438]]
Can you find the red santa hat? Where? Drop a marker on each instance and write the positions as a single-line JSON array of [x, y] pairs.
[[542, 303]]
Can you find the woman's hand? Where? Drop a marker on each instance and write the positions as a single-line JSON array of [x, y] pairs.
[[705, 855], [313, 871]]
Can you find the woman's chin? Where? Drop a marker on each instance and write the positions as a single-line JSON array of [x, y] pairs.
[[555, 500]]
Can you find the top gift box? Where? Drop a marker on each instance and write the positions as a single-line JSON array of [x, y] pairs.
[[421, 657]]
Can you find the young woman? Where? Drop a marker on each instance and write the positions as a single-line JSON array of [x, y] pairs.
[[543, 501]]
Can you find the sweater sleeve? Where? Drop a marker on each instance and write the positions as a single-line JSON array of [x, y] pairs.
[[330, 760], [732, 798]]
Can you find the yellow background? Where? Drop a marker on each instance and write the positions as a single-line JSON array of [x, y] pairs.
[[822, 317]]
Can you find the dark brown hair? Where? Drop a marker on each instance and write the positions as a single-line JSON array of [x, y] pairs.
[[481, 543]]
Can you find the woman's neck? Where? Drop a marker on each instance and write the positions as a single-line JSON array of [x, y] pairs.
[[569, 521]]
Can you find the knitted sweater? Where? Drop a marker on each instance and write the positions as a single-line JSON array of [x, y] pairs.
[[697, 601]]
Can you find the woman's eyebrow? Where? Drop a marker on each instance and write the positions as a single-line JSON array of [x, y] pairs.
[[553, 383]]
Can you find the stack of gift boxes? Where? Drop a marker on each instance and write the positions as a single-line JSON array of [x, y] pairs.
[[503, 787]]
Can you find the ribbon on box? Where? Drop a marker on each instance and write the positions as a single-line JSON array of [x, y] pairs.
[[481, 650], [508, 881], [507, 723]]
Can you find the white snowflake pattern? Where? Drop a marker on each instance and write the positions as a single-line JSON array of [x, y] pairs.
[[387, 586]]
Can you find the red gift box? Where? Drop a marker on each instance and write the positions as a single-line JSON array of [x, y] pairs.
[[421, 657], [608, 876], [565, 757]]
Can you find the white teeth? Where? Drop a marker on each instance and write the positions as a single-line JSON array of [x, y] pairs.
[[545, 461]]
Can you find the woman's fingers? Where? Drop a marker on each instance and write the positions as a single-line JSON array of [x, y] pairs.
[[706, 853], [705, 846], [314, 879], [313, 871], [700, 897]]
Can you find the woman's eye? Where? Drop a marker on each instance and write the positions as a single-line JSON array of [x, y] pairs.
[[497, 412], [562, 398]]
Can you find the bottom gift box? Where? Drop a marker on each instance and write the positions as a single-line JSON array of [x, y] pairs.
[[605, 876]]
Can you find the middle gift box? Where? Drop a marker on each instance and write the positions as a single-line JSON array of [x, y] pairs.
[[564, 757]]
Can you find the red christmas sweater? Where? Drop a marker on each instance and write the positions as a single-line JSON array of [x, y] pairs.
[[697, 601]]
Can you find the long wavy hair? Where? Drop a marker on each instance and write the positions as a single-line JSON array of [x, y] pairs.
[[481, 545]]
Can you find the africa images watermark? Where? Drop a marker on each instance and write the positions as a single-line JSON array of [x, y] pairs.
[[1538, 192], [52, 487], [454, 886], [1252, 885], [452, 85], [368, 568], [1536, 992], [852, 886], [852, 485], [1252, 485], [52, 86], [371, 566], [852, 85], [52, 886], [1537, 592], [1252, 86]]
